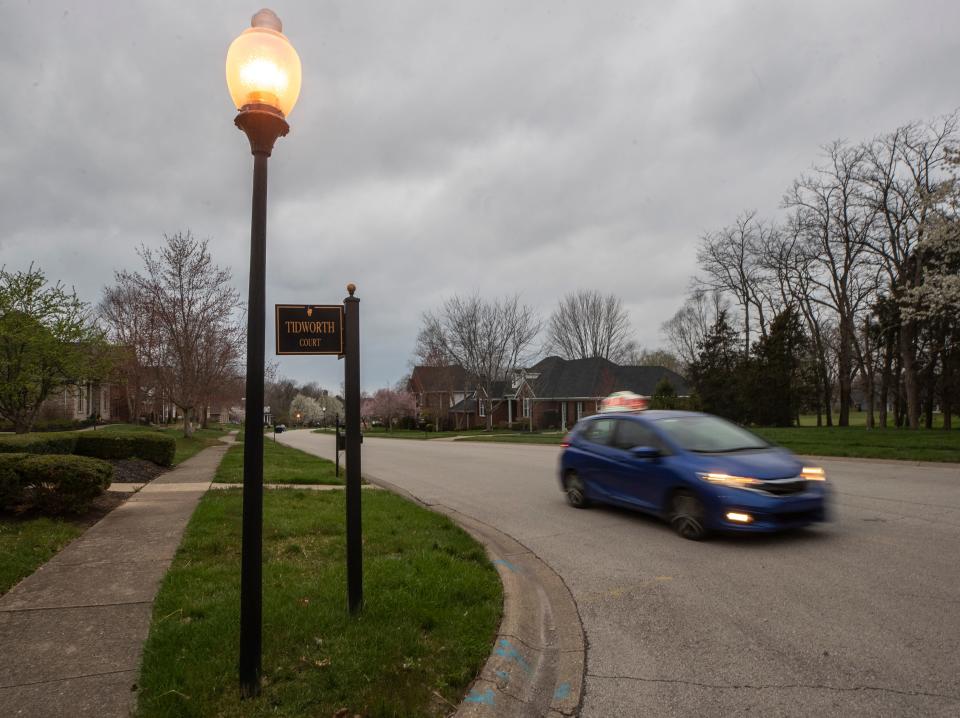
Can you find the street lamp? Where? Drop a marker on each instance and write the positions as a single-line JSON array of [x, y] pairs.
[[263, 77]]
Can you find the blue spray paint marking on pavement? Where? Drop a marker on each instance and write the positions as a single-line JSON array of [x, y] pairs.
[[484, 698], [562, 692], [507, 650], [503, 676], [508, 565]]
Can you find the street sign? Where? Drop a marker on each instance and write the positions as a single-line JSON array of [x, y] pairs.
[[309, 329]]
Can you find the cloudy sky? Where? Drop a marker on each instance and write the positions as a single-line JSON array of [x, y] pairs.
[[439, 148]]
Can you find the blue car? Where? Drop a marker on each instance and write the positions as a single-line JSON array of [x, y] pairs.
[[699, 472]]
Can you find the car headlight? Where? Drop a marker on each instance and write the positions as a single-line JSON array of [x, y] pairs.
[[813, 473], [728, 480]]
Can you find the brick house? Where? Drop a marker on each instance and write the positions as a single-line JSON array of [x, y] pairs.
[[552, 394]]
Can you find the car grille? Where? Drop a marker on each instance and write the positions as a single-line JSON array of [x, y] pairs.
[[784, 487]]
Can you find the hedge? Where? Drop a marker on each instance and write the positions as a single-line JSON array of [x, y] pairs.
[[152, 446], [53, 484], [11, 487], [63, 442]]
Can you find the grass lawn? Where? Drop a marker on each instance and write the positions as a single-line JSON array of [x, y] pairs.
[[25, 544], [923, 445], [433, 603], [281, 465], [201, 439]]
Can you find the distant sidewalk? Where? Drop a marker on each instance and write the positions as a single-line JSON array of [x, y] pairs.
[[71, 635]]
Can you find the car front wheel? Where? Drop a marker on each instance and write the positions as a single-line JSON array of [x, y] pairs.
[[576, 493], [687, 516]]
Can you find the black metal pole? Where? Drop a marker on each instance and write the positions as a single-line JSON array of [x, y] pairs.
[[251, 587], [262, 126], [352, 404]]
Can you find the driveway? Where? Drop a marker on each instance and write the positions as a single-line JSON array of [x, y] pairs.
[[858, 617]]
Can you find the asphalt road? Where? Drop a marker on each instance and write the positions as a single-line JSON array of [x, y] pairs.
[[857, 617]]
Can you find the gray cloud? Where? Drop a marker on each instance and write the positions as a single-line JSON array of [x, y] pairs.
[[437, 148]]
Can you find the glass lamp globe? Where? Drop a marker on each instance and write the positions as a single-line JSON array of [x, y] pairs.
[[262, 66]]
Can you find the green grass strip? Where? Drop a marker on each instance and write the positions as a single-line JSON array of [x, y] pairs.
[[857, 442], [27, 544], [433, 602], [281, 465]]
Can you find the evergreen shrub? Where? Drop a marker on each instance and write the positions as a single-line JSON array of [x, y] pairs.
[[63, 484], [63, 442], [151, 446]]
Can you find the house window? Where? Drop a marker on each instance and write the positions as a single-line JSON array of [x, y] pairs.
[[483, 407], [526, 408], [579, 410]]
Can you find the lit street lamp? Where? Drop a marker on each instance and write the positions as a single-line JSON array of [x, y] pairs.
[[263, 77]]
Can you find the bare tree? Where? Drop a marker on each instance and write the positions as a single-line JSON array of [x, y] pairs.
[[655, 357], [730, 260], [131, 326], [834, 223], [587, 324], [903, 175], [487, 339], [194, 308], [686, 329], [789, 262]]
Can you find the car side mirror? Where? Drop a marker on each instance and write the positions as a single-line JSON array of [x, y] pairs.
[[645, 452]]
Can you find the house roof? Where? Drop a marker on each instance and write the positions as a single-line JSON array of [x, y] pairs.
[[598, 377], [438, 378]]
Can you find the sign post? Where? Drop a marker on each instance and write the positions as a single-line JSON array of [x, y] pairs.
[[351, 376], [335, 329]]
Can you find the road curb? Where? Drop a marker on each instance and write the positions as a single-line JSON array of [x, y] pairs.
[[538, 662]]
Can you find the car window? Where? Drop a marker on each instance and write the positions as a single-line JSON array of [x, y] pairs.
[[709, 434], [599, 431], [633, 433]]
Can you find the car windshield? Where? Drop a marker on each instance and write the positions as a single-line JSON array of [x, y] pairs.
[[709, 434]]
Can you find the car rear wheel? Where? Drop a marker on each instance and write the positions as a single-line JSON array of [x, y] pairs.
[[687, 516], [576, 493]]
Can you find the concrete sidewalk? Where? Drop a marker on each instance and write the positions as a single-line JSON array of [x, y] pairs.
[[71, 635]]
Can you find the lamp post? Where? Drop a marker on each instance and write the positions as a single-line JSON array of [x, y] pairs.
[[263, 77]]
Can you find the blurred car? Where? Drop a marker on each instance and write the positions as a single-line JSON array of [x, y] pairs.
[[279, 428], [697, 471]]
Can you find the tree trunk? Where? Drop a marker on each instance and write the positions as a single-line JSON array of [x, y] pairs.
[[187, 423], [845, 373], [930, 386], [827, 397], [885, 380], [908, 359], [946, 389], [203, 419]]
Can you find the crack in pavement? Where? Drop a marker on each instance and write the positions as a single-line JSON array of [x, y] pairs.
[[839, 689]]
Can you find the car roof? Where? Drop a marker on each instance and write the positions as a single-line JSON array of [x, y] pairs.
[[647, 414]]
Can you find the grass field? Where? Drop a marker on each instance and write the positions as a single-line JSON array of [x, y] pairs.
[[432, 605], [853, 441], [281, 465], [26, 544]]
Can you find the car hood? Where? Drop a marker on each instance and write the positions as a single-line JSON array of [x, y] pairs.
[[773, 463]]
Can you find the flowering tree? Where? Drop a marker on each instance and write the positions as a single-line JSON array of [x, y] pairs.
[[305, 409], [389, 405]]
